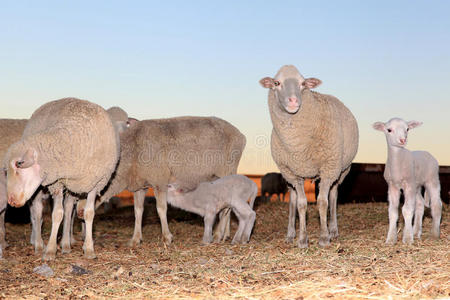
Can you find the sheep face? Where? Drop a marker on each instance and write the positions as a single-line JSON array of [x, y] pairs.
[[287, 86], [396, 131], [23, 178]]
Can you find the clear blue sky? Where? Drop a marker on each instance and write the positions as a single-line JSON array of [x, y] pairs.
[[167, 58]]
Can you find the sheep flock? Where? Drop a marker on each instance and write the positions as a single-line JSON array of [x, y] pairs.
[[80, 155]]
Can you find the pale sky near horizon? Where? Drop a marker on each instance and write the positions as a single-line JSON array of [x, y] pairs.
[[160, 59]]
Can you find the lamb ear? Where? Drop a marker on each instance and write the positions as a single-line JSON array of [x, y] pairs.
[[27, 160], [414, 124], [311, 83], [378, 126], [267, 82]]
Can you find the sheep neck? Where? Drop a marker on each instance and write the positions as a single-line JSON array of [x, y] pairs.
[[187, 202]]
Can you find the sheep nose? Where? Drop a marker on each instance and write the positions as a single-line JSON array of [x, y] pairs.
[[402, 141], [12, 200], [293, 100]]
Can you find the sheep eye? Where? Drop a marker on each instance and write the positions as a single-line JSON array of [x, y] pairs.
[[407, 129], [389, 130], [276, 82]]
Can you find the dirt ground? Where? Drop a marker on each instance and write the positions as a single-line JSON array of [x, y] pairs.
[[356, 265]]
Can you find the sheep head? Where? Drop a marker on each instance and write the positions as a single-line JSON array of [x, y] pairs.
[[396, 131], [23, 177], [287, 86]]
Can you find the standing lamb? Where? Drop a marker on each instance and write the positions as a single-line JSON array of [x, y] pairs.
[[209, 198], [191, 149], [314, 136], [273, 183], [409, 171], [60, 149]]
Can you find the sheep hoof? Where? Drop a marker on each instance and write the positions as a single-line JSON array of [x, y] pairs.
[[334, 233], [435, 234], [134, 242], [324, 241], [303, 243], [49, 256], [289, 239], [65, 248], [168, 239], [89, 254], [407, 240], [3, 244]]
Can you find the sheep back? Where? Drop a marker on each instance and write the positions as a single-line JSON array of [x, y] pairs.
[[192, 149]]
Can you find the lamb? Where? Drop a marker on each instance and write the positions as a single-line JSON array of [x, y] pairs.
[[409, 171], [60, 149], [273, 183], [209, 198], [314, 136], [192, 149]]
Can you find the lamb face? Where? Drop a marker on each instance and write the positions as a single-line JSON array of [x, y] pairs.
[[396, 131], [23, 178], [287, 86]]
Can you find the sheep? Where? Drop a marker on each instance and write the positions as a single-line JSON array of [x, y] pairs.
[[273, 183], [60, 149], [209, 198], [314, 136], [409, 171], [192, 149], [121, 122]]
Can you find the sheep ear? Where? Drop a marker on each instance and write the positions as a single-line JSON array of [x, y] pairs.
[[414, 124], [27, 160], [378, 126], [311, 83], [131, 121], [267, 82]]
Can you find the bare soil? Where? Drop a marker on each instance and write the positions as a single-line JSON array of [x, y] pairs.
[[356, 265]]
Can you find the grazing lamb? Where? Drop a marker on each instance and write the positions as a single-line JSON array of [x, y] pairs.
[[191, 149], [273, 183], [409, 171], [314, 136], [60, 149], [209, 198]]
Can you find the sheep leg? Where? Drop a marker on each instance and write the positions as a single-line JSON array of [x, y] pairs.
[[222, 231], [68, 209], [322, 201], [418, 214], [408, 212], [139, 198], [57, 216], [72, 222], [334, 233], [36, 222], [161, 207], [249, 221], [89, 213], [3, 243], [242, 220], [434, 191], [209, 222], [292, 215], [393, 198], [302, 204]]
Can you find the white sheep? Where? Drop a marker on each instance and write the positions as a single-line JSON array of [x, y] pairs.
[[60, 149], [314, 136], [10, 132], [191, 149], [209, 198], [409, 171]]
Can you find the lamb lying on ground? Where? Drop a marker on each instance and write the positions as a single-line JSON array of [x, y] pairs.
[[209, 198], [409, 171]]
